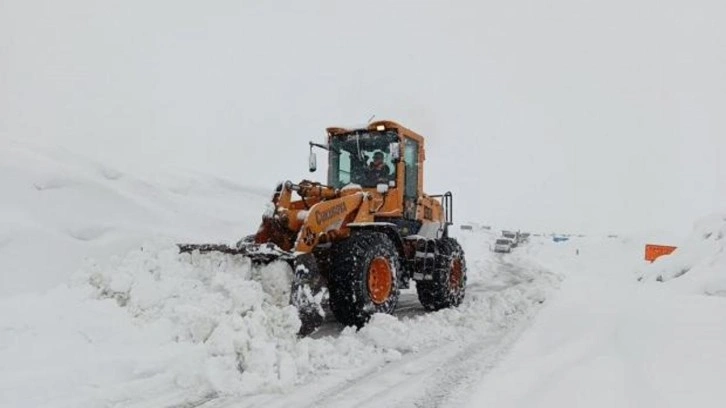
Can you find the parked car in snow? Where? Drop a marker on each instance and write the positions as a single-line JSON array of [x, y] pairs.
[[503, 245]]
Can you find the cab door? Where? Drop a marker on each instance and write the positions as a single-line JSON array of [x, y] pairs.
[[410, 191]]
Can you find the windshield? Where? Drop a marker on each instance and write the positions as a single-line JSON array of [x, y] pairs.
[[502, 242], [362, 158]]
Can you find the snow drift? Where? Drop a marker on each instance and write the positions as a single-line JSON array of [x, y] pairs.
[[699, 265], [58, 208]]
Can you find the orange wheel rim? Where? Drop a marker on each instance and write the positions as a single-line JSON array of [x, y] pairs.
[[456, 274], [379, 280]]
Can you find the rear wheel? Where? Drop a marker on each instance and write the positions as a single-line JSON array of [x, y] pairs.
[[363, 277], [448, 286]]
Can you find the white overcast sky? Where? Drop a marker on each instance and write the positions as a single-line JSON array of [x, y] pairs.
[[580, 116]]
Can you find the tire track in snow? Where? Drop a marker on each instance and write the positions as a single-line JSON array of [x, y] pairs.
[[436, 377], [442, 375], [451, 383]]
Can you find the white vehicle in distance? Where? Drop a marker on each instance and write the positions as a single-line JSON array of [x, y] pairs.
[[510, 236], [503, 245]]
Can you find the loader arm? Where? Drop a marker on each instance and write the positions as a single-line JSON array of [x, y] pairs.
[[326, 221]]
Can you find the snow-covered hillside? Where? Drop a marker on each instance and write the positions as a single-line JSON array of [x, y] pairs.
[[57, 208]]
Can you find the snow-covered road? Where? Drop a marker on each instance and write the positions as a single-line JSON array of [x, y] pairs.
[[506, 292]]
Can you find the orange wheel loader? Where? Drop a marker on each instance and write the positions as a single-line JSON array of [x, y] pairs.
[[363, 235]]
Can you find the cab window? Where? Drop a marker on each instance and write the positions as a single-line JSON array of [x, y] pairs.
[[362, 158]]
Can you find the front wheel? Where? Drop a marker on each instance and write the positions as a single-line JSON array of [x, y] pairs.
[[308, 293], [363, 277]]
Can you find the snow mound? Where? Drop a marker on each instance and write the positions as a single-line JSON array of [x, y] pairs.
[[153, 323], [239, 314], [699, 264]]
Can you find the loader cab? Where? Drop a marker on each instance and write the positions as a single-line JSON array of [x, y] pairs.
[[364, 158], [352, 164]]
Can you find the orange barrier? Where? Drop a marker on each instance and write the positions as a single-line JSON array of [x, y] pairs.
[[652, 252]]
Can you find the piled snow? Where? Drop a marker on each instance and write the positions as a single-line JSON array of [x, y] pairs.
[[154, 328], [699, 264]]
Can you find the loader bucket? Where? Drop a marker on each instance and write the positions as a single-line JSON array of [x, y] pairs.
[[308, 290], [259, 254]]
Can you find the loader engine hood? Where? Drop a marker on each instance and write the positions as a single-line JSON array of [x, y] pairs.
[[349, 189]]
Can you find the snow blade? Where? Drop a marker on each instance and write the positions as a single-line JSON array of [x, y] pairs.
[[259, 254]]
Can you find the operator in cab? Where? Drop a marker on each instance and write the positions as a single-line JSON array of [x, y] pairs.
[[378, 172]]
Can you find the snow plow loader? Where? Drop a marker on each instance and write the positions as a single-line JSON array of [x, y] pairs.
[[364, 235]]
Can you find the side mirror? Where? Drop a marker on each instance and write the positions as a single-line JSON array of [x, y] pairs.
[[395, 149], [382, 188], [313, 161]]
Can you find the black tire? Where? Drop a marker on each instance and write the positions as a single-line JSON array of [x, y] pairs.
[[308, 294], [359, 263], [448, 286]]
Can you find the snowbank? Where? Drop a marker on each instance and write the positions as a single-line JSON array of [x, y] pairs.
[[699, 265]]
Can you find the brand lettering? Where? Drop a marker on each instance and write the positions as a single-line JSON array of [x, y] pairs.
[[326, 215]]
